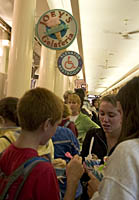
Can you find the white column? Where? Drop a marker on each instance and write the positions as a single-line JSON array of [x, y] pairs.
[[59, 77], [21, 51], [59, 84], [66, 83], [4, 45], [72, 82], [47, 68]]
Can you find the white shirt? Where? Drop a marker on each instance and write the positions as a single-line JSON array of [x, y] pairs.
[[121, 180], [73, 118]]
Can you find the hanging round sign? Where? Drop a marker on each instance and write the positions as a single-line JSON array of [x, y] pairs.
[[56, 29], [69, 63]]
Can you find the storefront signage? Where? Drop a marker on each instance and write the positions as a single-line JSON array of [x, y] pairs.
[[56, 29], [69, 63]]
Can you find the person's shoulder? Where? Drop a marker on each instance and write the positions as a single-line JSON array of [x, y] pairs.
[[68, 132], [125, 154], [63, 129], [62, 132], [44, 167], [126, 151], [129, 146], [10, 134], [84, 116], [87, 120]]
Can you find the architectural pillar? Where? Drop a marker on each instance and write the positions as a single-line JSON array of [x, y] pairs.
[[4, 45], [21, 50], [47, 68], [59, 77], [72, 82], [59, 84]]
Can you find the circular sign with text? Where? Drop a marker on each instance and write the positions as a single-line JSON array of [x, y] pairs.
[[70, 63], [56, 29]]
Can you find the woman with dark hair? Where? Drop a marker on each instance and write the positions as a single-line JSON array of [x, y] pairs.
[[121, 180], [105, 138], [128, 100]]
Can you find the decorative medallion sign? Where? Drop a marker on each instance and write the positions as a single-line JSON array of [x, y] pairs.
[[70, 63], [56, 29]]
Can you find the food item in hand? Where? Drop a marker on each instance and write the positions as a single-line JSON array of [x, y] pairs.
[[92, 160], [93, 163], [59, 163]]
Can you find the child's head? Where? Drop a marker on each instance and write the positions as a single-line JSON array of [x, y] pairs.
[[8, 111], [74, 102], [74, 98], [109, 116], [38, 105]]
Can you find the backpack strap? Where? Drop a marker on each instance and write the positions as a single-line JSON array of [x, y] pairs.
[[24, 169], [67, 123], [4, 136]]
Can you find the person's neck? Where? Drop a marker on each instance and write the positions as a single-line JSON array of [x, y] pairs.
[[28, 139], [112, 139]]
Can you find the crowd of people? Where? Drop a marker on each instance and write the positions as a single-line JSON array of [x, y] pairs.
[[41, 125]]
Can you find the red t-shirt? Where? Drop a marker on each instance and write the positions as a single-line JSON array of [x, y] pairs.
[[41, 183]]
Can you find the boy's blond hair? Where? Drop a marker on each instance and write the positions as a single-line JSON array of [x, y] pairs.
[[38, 105]]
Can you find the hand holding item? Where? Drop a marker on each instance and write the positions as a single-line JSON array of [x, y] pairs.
[[93, 184], [74, 169]]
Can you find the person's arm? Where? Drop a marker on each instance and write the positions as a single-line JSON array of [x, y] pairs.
[[74, 172]]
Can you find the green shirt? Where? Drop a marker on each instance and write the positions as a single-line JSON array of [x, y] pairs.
[[83, 124]]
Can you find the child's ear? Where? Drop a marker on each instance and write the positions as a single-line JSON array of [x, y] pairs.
[[45, 124]]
